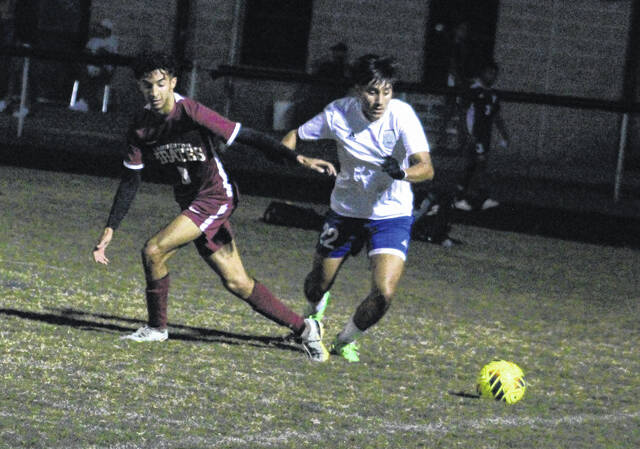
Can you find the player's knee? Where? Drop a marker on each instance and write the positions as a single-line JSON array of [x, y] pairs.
[[386, 292], [151, 253]]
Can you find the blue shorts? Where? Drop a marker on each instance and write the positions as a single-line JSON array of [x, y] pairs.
[[346, 235]]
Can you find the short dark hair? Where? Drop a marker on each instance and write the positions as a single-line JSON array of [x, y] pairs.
[[372, 68], [148, 62]]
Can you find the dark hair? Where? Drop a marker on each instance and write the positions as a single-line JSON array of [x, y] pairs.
[[147, 62], [372, 68]]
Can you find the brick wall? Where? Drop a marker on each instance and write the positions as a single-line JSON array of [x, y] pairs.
[[372, 26], [560, 47]]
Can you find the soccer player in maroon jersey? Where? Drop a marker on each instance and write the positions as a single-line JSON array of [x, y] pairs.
[[176, 135]]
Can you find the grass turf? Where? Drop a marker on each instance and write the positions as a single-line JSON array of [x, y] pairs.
[[566, 312]]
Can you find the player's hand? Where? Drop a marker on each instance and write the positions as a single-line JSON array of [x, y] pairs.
[[319, 165], [391, 167], [99, 250]]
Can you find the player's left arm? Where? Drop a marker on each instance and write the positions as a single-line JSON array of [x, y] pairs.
[[420, 167], [415, 141]]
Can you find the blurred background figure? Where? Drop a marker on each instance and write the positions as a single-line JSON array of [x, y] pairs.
[[310, 99], [457, 75], [337, 66], [93, 78], [482, 108]]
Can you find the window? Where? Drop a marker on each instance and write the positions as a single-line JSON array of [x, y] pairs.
[[276, 34], [53, 24], [447, 16]]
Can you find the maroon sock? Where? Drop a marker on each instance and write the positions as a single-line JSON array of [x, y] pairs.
[[263, 302], [157, 300]]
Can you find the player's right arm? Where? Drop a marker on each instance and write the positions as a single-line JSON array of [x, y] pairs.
[[125, 194]]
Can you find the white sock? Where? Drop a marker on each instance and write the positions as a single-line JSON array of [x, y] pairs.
[[350, 332]]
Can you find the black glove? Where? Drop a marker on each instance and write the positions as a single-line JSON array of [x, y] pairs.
[[391, 167]]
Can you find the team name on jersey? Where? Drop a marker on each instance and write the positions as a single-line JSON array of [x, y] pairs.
[[179, 152]]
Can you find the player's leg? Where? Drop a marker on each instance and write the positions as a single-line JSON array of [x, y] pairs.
[[484, 182], [335, 242], [155, 254], [388, 243], [223, 257], [318, 282], [386, 273]]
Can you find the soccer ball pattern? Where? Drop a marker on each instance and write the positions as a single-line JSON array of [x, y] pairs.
[[502, 381]]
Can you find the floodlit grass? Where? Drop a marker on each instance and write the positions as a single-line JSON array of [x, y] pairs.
[[568, 313]]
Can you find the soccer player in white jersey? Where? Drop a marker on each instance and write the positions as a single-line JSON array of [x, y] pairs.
[[382, 149]]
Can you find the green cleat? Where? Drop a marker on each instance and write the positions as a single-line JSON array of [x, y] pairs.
[[348, 351], [316, 312]]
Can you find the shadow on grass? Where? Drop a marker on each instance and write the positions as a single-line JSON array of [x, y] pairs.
[[464, 394], [102, 322]]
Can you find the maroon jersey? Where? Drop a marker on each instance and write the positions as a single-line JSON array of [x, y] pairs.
[[182, 146]]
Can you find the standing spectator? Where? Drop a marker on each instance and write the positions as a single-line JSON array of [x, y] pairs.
[[382, 149], [176, 136], [92, 78], [312, 98], [482, 110], [337, 66], [457, 74]]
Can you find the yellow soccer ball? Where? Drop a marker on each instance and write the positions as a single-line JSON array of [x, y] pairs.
[[502, 381]]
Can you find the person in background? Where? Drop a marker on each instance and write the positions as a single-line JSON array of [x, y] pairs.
[[93, 78], [335, 69], [457, 74], [337, 66], [482, 111]]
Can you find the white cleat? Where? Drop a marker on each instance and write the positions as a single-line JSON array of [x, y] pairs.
[[489, 203], [147, 333], [462, 205], [312, 341]]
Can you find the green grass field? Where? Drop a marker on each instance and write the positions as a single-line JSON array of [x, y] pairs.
[[568, 313]]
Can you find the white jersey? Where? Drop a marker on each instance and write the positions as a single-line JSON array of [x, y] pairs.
[[362, 189]]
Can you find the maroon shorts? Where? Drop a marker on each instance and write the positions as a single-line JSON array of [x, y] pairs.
[[212, 217]]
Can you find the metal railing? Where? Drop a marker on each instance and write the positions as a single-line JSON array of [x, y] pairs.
[[625, 107]]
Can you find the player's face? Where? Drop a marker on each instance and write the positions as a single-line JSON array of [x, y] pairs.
[[157, 88], [375, 99]]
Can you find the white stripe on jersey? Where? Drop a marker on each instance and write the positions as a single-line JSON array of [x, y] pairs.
[[133, 166], [212, 218], [228, 188], [236, 130]]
